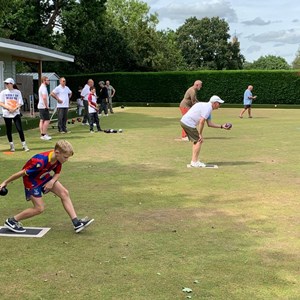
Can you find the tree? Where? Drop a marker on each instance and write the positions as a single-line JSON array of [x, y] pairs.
[[96, 44], [270, 62], [296, 61], [149, 49], [204, 44], [33, 21]]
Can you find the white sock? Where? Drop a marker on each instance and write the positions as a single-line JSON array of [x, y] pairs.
[[23, 143]]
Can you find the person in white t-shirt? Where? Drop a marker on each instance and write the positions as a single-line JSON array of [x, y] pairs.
[[93, 110], [11, 101], [84, 96], [62, 95], [43, 106], [193, 124]]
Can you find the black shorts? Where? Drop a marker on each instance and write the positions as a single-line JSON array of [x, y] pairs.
[[44, 114], [247, 106]]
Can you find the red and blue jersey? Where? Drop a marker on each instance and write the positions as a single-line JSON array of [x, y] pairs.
[[38, 169]]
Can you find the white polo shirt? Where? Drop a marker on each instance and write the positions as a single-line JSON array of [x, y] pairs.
[[195, 113], [85, 92], [63, 93]]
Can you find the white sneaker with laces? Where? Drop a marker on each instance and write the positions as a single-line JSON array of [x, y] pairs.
[[47, 137], [198, 164], [25, 148]]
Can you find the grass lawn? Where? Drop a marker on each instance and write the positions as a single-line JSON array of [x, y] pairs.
[[227, 233]]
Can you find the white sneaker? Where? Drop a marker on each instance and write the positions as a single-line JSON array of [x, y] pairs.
[[185, 139], [25, 148], [47, 137], [92, 131], [198, 164], [12, 148]]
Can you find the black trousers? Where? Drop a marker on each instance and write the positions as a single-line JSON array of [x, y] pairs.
[[94, 119], [103, 107], [62, 116], [18, 124], [86, 116]]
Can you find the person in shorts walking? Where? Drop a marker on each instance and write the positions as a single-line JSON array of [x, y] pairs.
[[189, 99], [248, 97]]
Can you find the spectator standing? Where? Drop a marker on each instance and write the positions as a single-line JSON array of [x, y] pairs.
[[103, 98], [111, 92], [11, 101], [79, 102], [248, 97], [93, 110], [43, 107], [62, 95], [84, 96], [189, 99]]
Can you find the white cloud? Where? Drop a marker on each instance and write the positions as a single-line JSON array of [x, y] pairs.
[[291, 36], [179, 12], [257, 21], [253, 49]]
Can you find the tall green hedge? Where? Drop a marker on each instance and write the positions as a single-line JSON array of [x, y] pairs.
[[281, 87]]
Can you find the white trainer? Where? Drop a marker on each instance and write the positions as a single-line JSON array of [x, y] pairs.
[[47, 137], [12, 148], [25, 148], [198, 164]]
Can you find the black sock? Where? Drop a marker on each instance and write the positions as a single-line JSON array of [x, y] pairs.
[[75, 221]]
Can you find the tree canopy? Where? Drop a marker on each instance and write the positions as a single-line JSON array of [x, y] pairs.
[[205, 44], [269, 62], [119, 35]]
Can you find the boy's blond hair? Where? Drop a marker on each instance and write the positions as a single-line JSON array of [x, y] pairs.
[[65, 147]]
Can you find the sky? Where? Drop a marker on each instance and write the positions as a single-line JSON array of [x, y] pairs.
[[263, 27]]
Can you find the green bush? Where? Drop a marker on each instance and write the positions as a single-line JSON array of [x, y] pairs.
[[281, 87]]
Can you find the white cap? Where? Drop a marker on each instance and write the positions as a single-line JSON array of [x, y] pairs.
[[214, 99], [9, 80]]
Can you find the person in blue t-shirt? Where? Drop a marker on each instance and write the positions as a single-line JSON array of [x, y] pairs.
[[248, 97]]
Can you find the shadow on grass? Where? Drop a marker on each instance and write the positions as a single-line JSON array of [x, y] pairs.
[[218, 138], [234, 163], [139, 120]]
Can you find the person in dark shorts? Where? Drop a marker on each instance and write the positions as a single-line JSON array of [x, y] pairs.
[[248, 97], [43, 106]]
